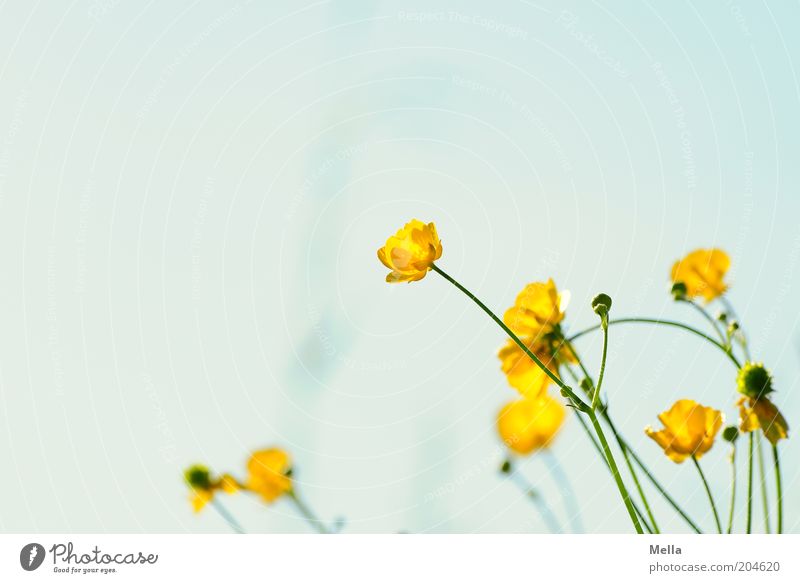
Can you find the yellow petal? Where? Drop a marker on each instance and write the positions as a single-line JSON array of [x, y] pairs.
[[411, 251], [703, 272], [267, 473], [526, 425]]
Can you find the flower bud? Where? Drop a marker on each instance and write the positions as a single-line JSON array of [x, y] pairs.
[[678, 291], [754, 380], [722, 316], [730, 433], [601, 304], [505, 468], [198, 477]]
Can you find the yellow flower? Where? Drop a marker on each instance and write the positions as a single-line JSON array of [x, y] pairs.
[[522, 373], [410, 253], [702, 272], [268, 474], [689, 430], [530, 424], [762, 413], [203, 486], [539, 307]]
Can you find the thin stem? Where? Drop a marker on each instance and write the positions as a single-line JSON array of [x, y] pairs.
[[596, 394], [703, 312], [750, 484], [622, 445], [540, 503], [227, 516], [566, 391], [762, 479], [708, 491], [661, 489], [568, 496], [778, 487], [615, 471], [306, 512], [599, 450], [733, 488], [672, 323]]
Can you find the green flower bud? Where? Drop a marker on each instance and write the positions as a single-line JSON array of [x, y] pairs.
[[730, 433], [754, 380], [722, 316], [678, 291], [198, 477], [601, 304], [505, 468]]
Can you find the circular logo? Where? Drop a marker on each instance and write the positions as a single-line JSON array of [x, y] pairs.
[[31, 556]]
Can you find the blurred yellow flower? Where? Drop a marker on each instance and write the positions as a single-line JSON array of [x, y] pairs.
[[268, 474], [522, 373], [762, 413], [539, 307], [203, 486], [689, 430], [530, 424], [411, 251], [702, 272]]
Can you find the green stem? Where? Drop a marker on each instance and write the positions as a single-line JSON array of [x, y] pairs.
[[596, 394], [750, 484], [615, 471], [778, 487], [661, 489], [306, 512], [672, 323], [708, 318], [762, 480], [708, 491], [565, 390], [599, 450], [621, 443], [733, 488]]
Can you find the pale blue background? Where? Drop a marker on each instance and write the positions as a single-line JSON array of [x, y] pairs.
[[191, 196]]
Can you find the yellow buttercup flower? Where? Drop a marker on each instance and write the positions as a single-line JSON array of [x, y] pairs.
[[522, 373], [527, 425], [702, 272], [410, 253], [689, 430], [762, 414], [204, 487], [268, 474], [539, 307]]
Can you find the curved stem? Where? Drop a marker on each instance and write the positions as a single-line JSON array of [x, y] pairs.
[[708, 491], [703, 312], [540, 503], [226, 516], [762, 480], [672, 323], [778, 487], [750, 484], [733, 488], [596, 394], [306, 512], [615, 471], [565, 390], [568, 496]]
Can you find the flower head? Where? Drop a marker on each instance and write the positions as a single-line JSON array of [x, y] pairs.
[[689, 430], [204, 486], [762, 413], [702, 272], [539, 307], [754, 380], [269, 473], [530, 424], [410, 252], [525, 375]]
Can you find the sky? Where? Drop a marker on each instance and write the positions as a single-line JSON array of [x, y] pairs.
[[192, 196]]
